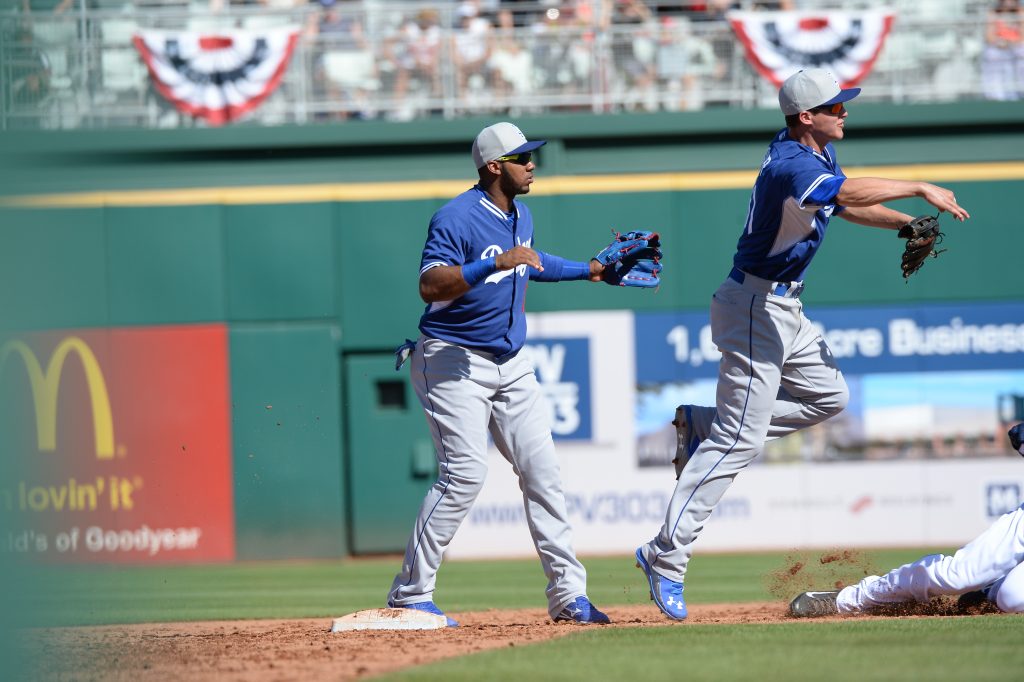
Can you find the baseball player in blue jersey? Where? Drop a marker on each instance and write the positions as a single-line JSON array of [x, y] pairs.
[[777, 374], [992, 563], [472, 380]]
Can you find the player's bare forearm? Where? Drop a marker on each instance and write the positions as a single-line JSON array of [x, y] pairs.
[[596, 271], [442, 283], [876, 216], [861, 192]]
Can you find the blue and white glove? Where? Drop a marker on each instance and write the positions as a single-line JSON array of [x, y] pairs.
[[632, 260]]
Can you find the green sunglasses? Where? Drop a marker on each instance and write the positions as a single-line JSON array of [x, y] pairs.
[[520, 159]]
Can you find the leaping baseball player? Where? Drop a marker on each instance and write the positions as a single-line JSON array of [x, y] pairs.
[[993, 563], [777, 374], [472, 380]]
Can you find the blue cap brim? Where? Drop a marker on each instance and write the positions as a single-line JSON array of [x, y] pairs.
[[843, 96], [530, 146]]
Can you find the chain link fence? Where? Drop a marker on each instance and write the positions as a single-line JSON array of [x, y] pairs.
[[401, 61]]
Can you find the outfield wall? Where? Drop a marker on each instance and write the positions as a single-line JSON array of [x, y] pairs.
[[301, 247]]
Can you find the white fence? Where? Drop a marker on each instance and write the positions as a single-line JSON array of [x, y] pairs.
[[406, 60]]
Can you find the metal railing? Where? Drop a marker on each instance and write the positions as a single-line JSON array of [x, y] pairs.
[[402, 61]]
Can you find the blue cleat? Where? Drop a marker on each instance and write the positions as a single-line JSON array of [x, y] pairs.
[[429, 607], [580, 610], [667, 594]]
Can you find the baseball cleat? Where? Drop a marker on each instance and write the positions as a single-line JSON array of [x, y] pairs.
[[581, 610], [429, 607], [667, 594], [686, 441], [814, 604]]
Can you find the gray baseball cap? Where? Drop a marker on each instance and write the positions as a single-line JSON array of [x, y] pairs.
[[811, 88], [501, 139]]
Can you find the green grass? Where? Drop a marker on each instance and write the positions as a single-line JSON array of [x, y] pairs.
[[88, 596], [935, 649]]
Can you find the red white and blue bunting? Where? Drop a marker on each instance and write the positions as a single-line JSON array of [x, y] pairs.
[[778, 44], [220, 77]]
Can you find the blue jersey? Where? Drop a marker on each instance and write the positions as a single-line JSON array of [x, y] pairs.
[[789, 211], [491, 316]]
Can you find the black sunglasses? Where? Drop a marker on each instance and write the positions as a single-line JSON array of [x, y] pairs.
[[521, 159]]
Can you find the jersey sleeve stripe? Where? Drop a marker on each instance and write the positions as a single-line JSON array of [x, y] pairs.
[[428, 266], [821, 178]]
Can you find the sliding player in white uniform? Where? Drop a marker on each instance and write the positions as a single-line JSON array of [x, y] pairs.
[[993, 562]]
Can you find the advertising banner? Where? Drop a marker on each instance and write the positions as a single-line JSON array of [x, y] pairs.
[[117, 445], [865, 340], [918, 458]]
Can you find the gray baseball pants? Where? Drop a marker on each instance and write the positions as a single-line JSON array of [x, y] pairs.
[[776, 376], [466, 395]]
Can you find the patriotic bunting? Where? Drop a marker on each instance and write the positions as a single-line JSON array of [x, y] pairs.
[[778, 44], [218, 77]]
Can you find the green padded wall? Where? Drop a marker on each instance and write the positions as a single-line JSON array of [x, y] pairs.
[[378, 267], [280, 262], [53, 269], [285, 395], [395, 464], [166, 265]]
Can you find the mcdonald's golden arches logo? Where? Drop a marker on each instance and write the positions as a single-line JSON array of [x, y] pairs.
[[46, 384]]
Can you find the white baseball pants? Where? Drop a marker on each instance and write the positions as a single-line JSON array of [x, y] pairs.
[[466, 395], [993, 558], [776, 376]]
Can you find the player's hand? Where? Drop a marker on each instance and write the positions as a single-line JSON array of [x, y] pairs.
[[520, 255], [597, 270], [944, 200]]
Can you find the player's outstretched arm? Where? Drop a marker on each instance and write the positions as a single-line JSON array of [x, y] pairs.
[[876, 216], [871, 191]]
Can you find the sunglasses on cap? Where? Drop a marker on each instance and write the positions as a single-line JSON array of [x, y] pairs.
[[834, 109], [519, 159]]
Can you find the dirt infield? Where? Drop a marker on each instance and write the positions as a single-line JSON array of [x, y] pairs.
[[264, 650]]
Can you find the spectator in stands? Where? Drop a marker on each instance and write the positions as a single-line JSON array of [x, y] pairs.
[[1002, 60], [55, 6], [344, 65], [635, 47], [416, 53], [29, 72], [682, 63], [562, 50], [471, 48], [511, 65], [525, 13], [714, 10]]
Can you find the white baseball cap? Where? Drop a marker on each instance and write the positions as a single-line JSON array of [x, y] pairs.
[[501, 139], [811, 88]]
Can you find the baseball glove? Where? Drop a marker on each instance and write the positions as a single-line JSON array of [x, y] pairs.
[[632, 260], [922, 235]]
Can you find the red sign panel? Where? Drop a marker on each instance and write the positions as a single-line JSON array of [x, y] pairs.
[[119, 445]]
